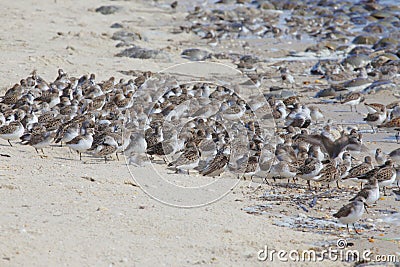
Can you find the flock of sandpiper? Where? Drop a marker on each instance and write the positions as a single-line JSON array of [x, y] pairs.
[[199, 126], [210, 129]]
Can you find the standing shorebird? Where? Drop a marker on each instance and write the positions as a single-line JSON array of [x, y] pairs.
[[360, 169], [351, 212], [329, 173], [380, 157], [39, 139], [375, 119], [386, 175], [395, 155], [375, 107], [252, 166], [188, 160], [310, 170], [217, 165], [353, 99], [234, 112], [286, 76], [284, 170], [13, 131], [107, 147], [345, 165], [392, 126], [81, 143], [370, 192], [316, 113]]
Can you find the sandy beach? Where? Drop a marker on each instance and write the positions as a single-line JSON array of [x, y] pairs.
[[58, 210]]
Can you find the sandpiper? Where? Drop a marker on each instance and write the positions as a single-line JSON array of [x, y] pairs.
[[218, 164], [310, 170], [108, 147], [391, 126], [395, 155], [351, 142], [370, 192], [13, 131], [352, 212], [375, 119], [360, 169], [316, 113], [286, 76], [66, 133], [254, 80], [207, 146], [283, 170], [81, 143], [353, 99], [329, 173], [386, 175], [188, 160], [38, 140], [252, 166], [380, 157], [375, 107], [345, 165], [279, 111], [234, 112], [136, 149]]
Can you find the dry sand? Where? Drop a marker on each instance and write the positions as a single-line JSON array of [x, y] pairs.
[[57, 210]]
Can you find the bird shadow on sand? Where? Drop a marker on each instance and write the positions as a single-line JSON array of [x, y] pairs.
[[67, 158]]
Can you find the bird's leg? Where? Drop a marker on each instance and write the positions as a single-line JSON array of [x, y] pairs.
[[80, 155], [37, 151], [365, 207], [355, 230], [9, 142], [265, 180], [309, 184], [116, 154], [348, 228], [105, 159], [384, 191], [251, 181], [337, 184], [43, 155]]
